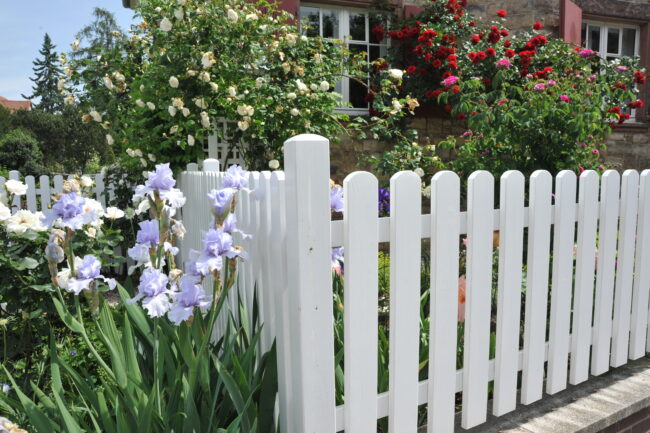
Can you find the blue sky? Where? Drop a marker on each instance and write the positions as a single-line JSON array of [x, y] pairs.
[[23, 24]]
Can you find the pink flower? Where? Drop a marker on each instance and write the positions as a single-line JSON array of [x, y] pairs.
[[565, 98], [551, 83], [621, 68], [503, 64], [539, 87], [450, 81], [595, 152], [586, 53], [502, 101], [462, 284]]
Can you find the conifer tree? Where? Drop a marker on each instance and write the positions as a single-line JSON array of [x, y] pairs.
[[47, 73]]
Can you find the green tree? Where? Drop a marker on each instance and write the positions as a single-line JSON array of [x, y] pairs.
[[47, 73], [101, 34], [19, 150]]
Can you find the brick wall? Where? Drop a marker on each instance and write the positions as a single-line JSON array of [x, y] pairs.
[[635, 423]]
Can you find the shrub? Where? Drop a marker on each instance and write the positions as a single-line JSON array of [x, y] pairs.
[[19, 150]]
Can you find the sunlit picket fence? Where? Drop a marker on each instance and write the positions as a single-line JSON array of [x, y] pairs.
[[41, 189], [585, 244], [586, 240]]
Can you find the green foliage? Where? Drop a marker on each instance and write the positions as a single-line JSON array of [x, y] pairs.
[[47, 72], [186, 67], [19, 150], [65, 143]]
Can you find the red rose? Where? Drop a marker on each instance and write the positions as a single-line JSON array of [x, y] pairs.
[[481, 55], [429, 94], [504, 33], [460, 116], [502, 13], [448, 108], [453, 65], [476, 39], [507, 43], [437, 93], [472, 23], [455, 89], [369, 98], [538, 26], [452, 58], [490, 52], [411, 69], [471, 55], [510, 53], [436, 63]]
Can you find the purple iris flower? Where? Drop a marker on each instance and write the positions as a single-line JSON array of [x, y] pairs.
[[235, 177], [220, 200], [230, 226], [162, 179], [69, 206], [384, 201], [192, 295], [153, 288], [217, 244], [337, 257], [87, 271], [149, 233], [336, 199]]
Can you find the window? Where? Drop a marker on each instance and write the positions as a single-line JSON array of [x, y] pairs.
[[612, 41], [353, 26]]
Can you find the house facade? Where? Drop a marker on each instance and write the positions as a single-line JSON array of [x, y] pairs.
[[614, 28], [13, 106]]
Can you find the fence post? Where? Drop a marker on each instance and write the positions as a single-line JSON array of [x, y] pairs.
[[309, 281]]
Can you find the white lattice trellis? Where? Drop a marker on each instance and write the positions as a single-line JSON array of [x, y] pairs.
[[220, 144]]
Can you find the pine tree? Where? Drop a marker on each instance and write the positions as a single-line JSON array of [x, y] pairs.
[[46, 77], [103, 34]]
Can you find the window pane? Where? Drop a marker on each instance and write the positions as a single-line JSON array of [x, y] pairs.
[[358, 26], [583, 35], [629, 41], [358, 48], [594, 38], [612, 40], [330, 24], [358, 94], [309, 21], [377, 52]]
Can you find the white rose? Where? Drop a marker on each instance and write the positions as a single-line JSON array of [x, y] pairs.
[[427, 191], [313, 87], [143, 162], [185, 111], [243, 125], [172, 110], [190, 140], [274, 164], [201, 103], [109, 139], [324, 86], [251, 17], [178, 13], [205, 120], [139, 103], [86, 181], [15, 187], [60, 84], [208, 60], [24, 220], [214, 86], [173, 81], [178, 102], [108, 83], [96, 116], [165, 25], [91, 232], [233, 16], [151, 157], [151, 105], [204, 76], [291, 95], [62, 278], [130, 152], [232, 91], [395, 74], [397, 107], [5, 213], [419, 172], [75, 44], [291, 39], [295, 112], [114, 213], [301, 86], [138, 153], [173, 130]]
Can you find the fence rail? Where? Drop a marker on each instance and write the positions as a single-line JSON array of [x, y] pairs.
[[561, 214]]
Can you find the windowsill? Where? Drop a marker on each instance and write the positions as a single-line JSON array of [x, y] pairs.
[[352, 111]]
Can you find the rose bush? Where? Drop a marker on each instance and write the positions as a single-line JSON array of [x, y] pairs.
[[529, 102], [190, 64]]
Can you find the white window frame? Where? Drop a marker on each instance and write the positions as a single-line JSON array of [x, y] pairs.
[[343, 15], [604, 34]]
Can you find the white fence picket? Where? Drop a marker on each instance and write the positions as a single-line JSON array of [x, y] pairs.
[[361, 297], [445, 231], [30, 196], [308, 251], [267, 305], [584, 280], [638, 331], [625, 268], [15, 175], [405, 246], [562, 281], [480, 202], [511, 235], [44, 192], [604, 299], [100, 189], [58, 184]]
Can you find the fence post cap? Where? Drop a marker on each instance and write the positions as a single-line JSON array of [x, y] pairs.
[[211, 164], [307, 138]]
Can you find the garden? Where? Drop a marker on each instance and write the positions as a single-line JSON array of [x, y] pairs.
[[106, 325]]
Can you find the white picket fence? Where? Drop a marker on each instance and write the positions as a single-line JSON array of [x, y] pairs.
[[41, 190], [290, 266]]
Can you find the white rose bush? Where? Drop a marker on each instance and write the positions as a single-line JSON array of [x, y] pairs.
[[157, 361], [187, 67]]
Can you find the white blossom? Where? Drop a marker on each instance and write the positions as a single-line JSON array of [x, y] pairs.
[[172, 110], [204, 76], [139, 102], [274, 164], [291, 39], [86, 181], [178, 102], [173, 130], [208, 60], [24, 220], [419, 172], [109, 139], [114, 213], [151, 105], [138, 153], [178, 13], [173, 81], [185, 111], [200, 102], [69, 99], [5, 212], [251, 17], [205, 120], [165, 25], [395, 74], [295, 112], [214, 86], [143, 162], [397, 107], [60, 84], [233, 16], [427, 191], [243, 125], [96, 116], [75, 44], [232, 91], [324, 86], [291, 95], [301, 86], [151, 157], [190, 140], [15, 187]]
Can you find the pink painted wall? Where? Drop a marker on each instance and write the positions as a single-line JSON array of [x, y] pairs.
[[570, 22]]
